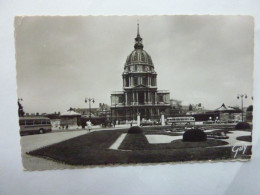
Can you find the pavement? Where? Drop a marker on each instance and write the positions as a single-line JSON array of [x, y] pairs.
[[33, 142]]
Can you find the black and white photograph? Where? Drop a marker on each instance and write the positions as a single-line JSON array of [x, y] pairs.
[[126, 90]]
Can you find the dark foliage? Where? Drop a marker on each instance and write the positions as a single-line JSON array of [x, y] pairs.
[[250, 108], [135, 130], [134, 141], [242, 125], [194, 135]]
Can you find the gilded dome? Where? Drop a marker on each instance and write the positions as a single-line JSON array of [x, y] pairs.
[[139, 56]]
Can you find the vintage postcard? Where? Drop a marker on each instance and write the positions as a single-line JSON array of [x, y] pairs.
[[120, 90]]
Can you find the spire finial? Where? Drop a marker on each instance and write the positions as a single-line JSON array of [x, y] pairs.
[[138, 39], [138, 28]]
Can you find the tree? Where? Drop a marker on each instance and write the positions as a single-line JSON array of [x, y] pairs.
[[250, 108], [190, 107]]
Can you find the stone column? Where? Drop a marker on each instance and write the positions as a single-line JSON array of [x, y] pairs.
[[125, 98], [162, 119], [133, 97], [137, 97], [138, 119], [145, 97]]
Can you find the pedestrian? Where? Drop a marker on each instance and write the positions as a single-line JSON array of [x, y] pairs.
[[114, 123], [88, 125]]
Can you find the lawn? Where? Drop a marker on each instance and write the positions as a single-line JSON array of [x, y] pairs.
[[245, 138], [93, 149]]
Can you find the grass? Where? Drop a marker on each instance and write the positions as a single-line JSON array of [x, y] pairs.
[[93, 149], [245, 138]]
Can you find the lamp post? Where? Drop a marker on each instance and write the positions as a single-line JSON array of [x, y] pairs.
[[89, 100], [242, 96], [116, 111]]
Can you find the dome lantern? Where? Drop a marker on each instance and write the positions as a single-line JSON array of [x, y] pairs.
[[138, 40]]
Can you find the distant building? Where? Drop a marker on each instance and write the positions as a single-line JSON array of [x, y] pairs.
[[176, 107], [229, 114], [140, 93], [102, 111], [70, 119]]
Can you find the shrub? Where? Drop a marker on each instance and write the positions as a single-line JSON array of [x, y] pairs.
[[194, 135], [135, 130], [242, 125]]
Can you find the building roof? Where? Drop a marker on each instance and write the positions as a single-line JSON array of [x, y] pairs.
[[222, 108], [32, 117]]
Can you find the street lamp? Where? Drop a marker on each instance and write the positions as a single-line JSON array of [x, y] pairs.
[[242, 96], [89, 100]]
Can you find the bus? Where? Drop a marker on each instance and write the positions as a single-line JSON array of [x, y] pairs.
[[184, 120], [33, 125]]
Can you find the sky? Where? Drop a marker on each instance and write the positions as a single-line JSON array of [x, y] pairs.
[[200, 59]]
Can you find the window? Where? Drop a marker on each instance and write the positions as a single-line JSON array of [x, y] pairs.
[[139, 68], [142, 57], [21, 122], [29, 122], [127, 81], [48, 122], [135, 80], [120, 99], [44, 121], [160, 98], [144, 81], [37, 122], [136, 57]]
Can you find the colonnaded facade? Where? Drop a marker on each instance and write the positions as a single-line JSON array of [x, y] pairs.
[[140, 94]]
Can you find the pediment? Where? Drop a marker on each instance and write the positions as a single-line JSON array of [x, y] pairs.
[[140, 86]]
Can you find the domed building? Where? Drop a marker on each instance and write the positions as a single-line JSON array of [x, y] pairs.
[[140, 94]]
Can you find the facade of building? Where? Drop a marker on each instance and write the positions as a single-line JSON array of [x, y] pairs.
[[140, 94], [229, 114]]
